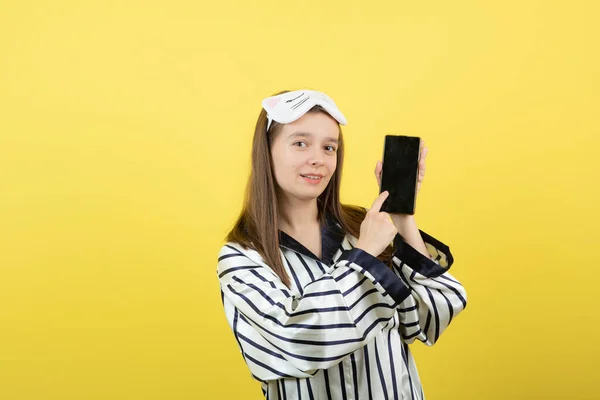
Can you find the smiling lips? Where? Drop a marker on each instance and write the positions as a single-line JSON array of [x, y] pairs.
[[312, 178]]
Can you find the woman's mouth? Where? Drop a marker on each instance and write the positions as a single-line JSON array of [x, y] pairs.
[[313, 179]]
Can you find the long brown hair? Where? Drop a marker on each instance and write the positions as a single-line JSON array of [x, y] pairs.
[[257, 226]]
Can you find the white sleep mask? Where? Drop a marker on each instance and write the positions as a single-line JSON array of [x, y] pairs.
[[288, 107]]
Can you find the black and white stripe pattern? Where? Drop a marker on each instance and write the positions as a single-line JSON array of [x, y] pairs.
[[342, 331]]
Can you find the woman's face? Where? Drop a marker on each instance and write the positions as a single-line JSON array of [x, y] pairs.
[[304, 155]]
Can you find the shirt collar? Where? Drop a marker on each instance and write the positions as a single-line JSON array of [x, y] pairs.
[[332, 236]]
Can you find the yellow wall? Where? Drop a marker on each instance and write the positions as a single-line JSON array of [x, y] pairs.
[[125, 130]]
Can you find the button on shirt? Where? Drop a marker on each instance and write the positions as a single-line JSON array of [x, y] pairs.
[[343, 329]]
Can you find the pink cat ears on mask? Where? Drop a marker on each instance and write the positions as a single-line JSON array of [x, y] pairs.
[[288, 107]]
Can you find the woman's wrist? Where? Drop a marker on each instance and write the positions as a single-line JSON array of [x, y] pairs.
[[403, 222], [407, 228]]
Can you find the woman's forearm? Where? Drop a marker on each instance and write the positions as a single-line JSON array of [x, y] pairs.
[[407, 228]]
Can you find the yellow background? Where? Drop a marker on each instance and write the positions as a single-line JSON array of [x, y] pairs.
[[125, 132]]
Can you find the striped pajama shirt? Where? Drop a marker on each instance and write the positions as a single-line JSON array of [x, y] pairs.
[[343, 328]]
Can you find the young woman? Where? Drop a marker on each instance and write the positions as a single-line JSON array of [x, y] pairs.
[[324, 298]]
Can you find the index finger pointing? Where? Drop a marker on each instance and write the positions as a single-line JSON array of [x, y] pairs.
[[379, 201]]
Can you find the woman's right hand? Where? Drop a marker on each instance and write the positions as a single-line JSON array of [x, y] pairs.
[[377, 229]]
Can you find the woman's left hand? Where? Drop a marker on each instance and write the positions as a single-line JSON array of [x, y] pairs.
[[423, 153]]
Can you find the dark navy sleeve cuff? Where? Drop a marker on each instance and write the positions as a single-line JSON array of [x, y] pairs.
[[382, 274], [421, 263]]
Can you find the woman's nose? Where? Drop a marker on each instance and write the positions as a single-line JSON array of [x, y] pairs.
[[316, 157]]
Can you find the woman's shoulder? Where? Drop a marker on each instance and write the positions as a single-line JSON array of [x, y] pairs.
[[231, 249], [233, 255]]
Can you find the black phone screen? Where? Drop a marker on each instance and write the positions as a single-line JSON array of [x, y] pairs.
[[400, 172]]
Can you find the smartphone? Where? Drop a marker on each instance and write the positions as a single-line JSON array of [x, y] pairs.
[[399, 173]]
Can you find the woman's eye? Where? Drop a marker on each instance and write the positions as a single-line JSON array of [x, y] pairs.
[[330, 148], [300, 143]]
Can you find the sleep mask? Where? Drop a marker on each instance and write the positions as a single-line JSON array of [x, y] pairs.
[[288, 107]]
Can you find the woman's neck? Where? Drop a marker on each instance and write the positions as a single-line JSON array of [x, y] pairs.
[[297, 215]]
